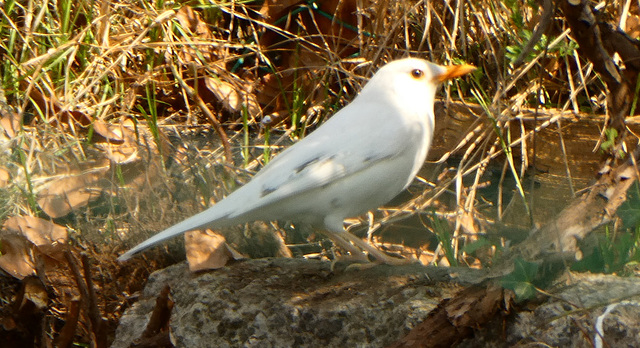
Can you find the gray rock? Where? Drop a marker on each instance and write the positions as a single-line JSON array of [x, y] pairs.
[[569, 318], [302, 303], [289, 303]]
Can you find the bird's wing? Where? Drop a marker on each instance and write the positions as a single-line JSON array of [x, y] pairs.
[[328, 155], [317, 172]]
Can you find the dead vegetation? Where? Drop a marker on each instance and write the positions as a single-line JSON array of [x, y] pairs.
[[121, 118]]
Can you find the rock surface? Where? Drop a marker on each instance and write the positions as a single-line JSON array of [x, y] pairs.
[[302, 303], [569, 319], [289, 303]]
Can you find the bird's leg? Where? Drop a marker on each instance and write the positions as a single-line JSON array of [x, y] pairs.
[[343, 243], [373, 251]]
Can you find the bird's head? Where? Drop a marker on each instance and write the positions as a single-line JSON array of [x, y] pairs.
[[412, 82]]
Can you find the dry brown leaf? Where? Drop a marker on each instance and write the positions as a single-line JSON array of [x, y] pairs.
[[468, 223], [424, 255], [62, 196], [45, 235], [33, 295], [120, 146], [16, 256], [122, 142], [272, 9], [230, 98], [20, 234], [189, 19], [235, 254], [134, 149], [5, 178], [111, 133], [197, 31], [52, 109], [208, 250], [632, 27], [9, 122]]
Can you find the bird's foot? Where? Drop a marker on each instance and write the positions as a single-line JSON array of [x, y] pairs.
[[387, 261], [351, 259]]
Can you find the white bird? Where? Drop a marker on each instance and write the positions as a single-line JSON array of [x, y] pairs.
[[359, 159]]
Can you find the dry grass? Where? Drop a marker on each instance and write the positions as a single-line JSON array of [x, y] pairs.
[[167, 104], [165, 68]]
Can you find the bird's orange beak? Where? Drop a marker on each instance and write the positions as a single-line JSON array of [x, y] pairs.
[[454, 71]]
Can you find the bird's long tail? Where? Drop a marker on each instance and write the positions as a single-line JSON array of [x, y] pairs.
[[206, 218]]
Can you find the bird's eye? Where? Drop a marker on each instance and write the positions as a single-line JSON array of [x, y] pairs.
[[417, 73]]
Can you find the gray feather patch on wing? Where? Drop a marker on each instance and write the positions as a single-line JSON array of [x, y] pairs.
[[267, 190], [377, 158], [306, 164]]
